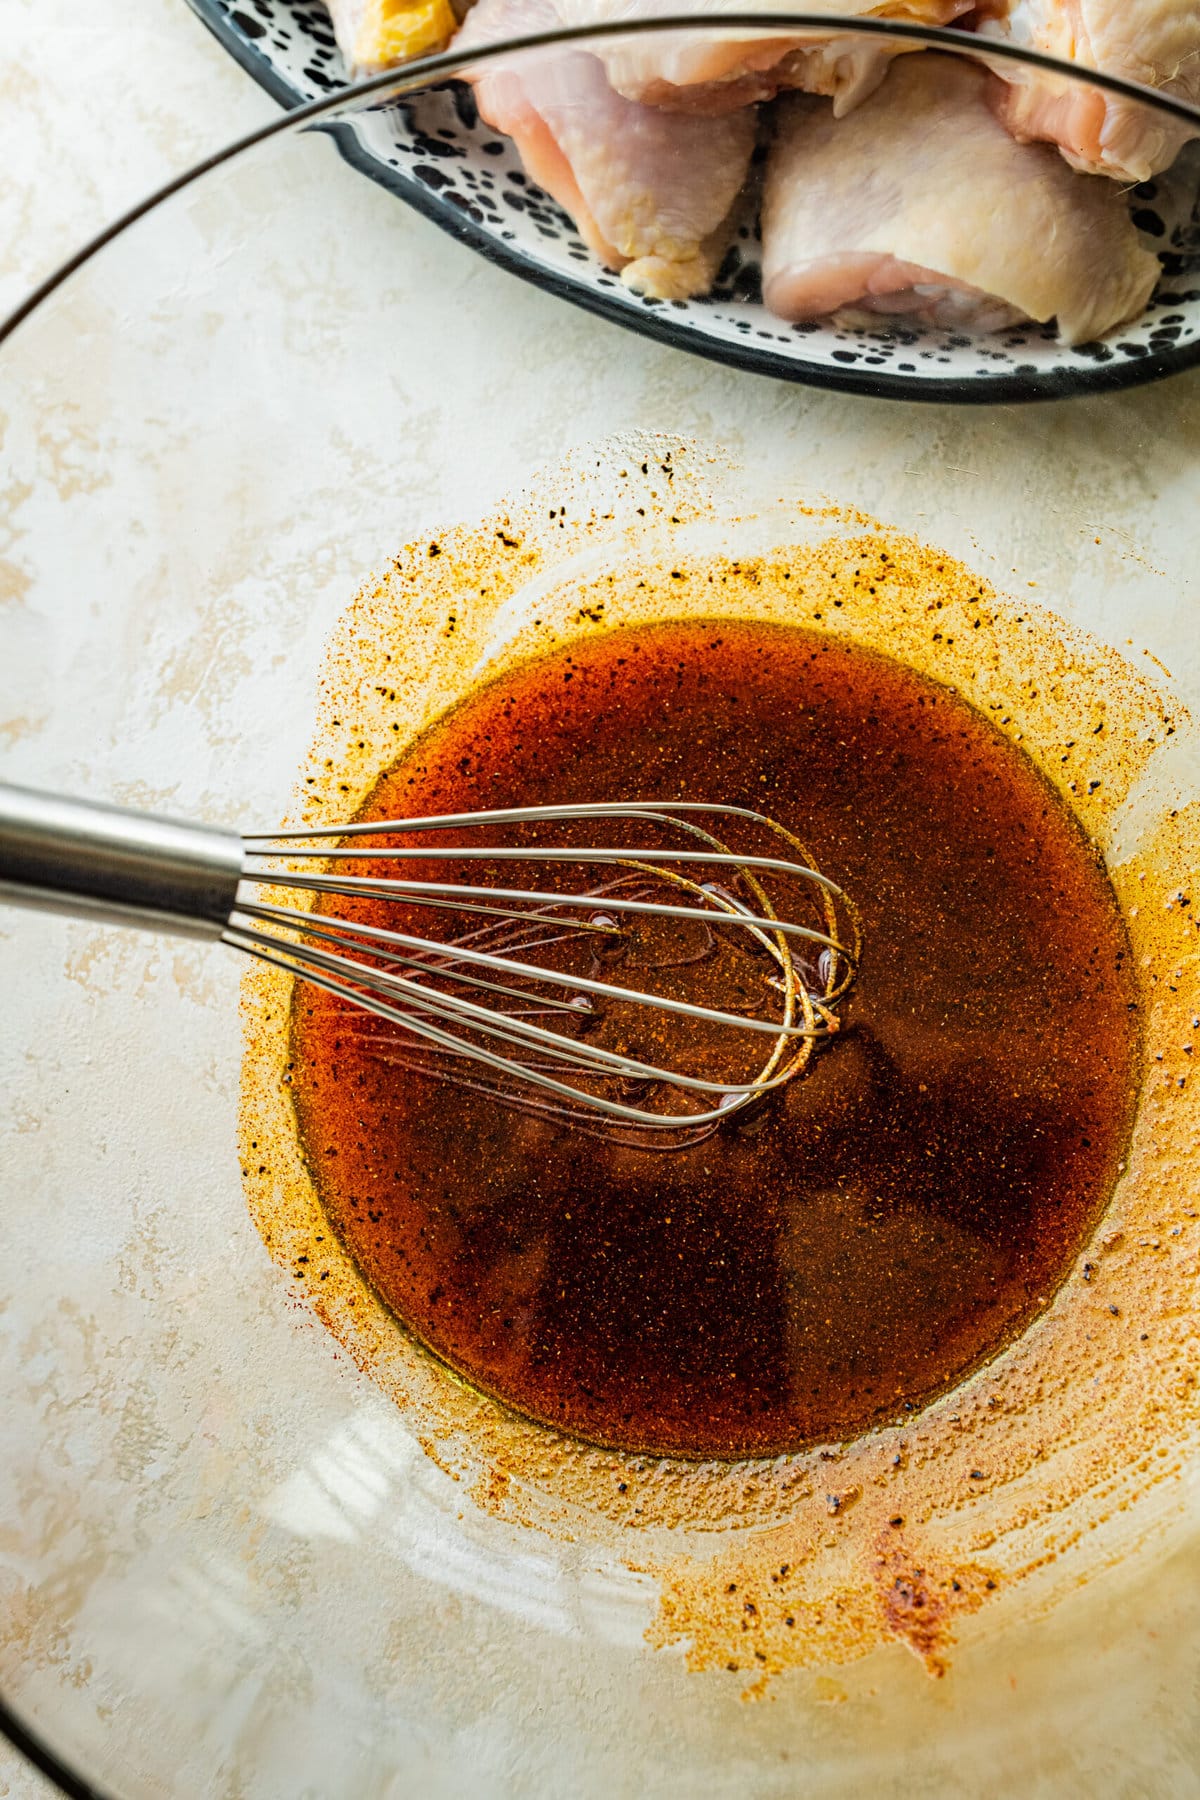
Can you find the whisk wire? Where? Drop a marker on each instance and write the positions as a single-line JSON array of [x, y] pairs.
[[744, 954], [424, 987], [432, 894], [580, 983], [320, 971]]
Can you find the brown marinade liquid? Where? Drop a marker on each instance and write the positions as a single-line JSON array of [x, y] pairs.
[[889, 1220]]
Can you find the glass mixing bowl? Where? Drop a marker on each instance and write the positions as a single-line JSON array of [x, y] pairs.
[[241, 1554], [440, 154]]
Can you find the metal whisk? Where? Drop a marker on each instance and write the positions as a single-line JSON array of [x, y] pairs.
[[648, 988]]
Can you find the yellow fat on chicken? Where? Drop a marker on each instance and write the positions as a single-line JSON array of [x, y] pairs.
[[375, 34]]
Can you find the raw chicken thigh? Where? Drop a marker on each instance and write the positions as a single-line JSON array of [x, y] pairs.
[[1155, 42], [920, 203], [650, 192], [714, 69]]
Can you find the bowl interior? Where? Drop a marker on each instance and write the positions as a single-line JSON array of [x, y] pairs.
[[230, 1562]]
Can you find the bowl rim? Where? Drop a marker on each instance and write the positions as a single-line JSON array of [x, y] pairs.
[[427, 71], [22, 1735]]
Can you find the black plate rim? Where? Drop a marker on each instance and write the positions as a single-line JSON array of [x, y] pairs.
[[950, 390]]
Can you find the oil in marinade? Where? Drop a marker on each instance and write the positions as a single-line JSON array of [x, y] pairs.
[[878, 1228]]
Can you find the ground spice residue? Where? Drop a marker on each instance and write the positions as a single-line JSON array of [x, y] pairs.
[[945, 1515]]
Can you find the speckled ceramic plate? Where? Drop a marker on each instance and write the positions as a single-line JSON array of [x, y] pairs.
[[434, 152]]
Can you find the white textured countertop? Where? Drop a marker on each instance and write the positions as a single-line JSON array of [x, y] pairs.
[[99, 104]]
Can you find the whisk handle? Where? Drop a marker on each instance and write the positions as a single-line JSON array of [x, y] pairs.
[[130, 868]]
